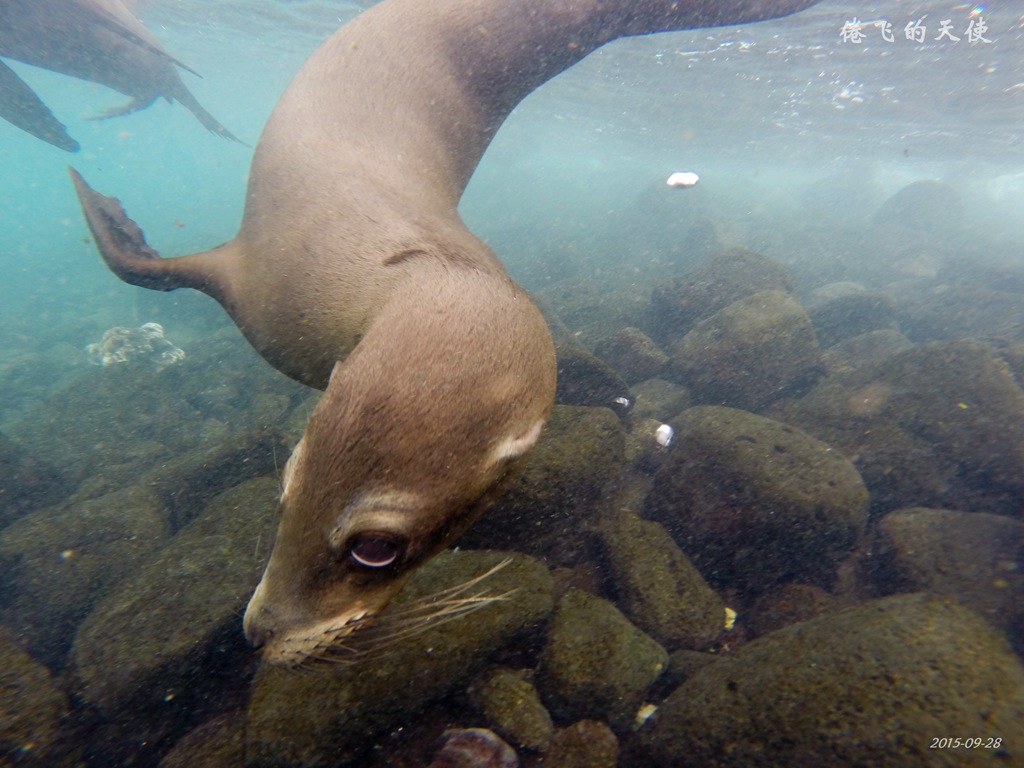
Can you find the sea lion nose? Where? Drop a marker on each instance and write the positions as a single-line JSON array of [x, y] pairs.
[[257, 626]]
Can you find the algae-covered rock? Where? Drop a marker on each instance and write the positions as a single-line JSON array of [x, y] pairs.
[[974, 558], [632, 353], [155, 635], [332, 717], [217, 743], [841, 311], [58, 563], [751, 352], [659, 399], [544, 510], [115, 421], [754, 501], [587, 380], [726, 277], [595, 663], [657, 586], [32, 711], [584, 744], [874, 685], [865, 349], [940, 425], [512, 707], [27, 482], [787, 604]]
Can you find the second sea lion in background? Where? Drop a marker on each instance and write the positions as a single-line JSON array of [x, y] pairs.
[[352, 270], [96, 40]]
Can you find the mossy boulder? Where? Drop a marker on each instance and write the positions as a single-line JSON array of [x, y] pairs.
[[595, 663], [509, 702], [940, 425], [974, 558], [58, 563], [749, 353], [33, 711], [657, 586], [876, 684], [178, 618], [754, 501], [546, 510], [728, 276]]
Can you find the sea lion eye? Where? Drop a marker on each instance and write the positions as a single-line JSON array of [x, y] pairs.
[[374, 551]]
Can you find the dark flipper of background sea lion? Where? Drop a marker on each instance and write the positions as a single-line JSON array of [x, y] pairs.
[[20, 106], [96, 40]]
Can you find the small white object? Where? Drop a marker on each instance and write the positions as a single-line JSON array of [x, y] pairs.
[[683, 179], [663, 435], [623, 401]]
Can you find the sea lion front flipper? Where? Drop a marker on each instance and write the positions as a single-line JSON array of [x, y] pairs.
[[123, 247], [21, 107]]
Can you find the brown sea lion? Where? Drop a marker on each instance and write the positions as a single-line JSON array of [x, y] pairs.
[[97, 40], [353, 271]]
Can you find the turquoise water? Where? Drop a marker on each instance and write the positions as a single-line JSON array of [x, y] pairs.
[[760, 111]]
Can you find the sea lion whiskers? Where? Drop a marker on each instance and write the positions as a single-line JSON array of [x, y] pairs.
[[367, 636]]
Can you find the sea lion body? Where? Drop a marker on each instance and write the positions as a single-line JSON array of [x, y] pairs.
[[352, 270], [96, 40]]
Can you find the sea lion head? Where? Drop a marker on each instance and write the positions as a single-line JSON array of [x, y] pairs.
[[417, 432]]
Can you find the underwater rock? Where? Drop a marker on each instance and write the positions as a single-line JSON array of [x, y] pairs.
[[26, 482], [936, 310], [753, 501], [331, 719], [632, 353], [841, 311], [148, 645], [512, 707], [32, 711], [974, 558], [728, 276], [544, 511], [923, 206], [940, 425], [58, 562], [595, 663], [217, 743], [117, 422], [753, 351], [656, 585], [587, 311], [114, 422], [866, 349], [474, 748], [586, 380], [659, 399], [584, 744], [146, 344], [787, 604], [877, 684]]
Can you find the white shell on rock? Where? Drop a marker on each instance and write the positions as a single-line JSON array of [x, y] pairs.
[[664, 435]]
